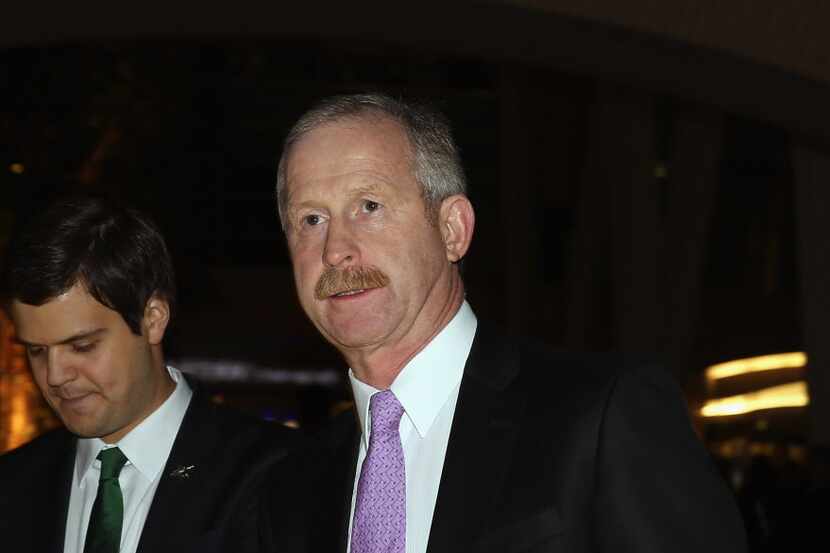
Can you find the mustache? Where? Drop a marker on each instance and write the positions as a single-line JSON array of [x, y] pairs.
[[334, 281]]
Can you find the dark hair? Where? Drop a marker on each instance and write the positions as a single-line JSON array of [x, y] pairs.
[[436, 162], [116, 253]]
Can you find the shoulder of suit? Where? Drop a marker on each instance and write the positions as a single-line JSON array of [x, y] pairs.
[[565, 385], [43, 450], [342, 426], [232, 425], [330, 438], [567, 372]]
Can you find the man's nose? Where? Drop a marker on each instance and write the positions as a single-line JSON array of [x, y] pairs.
[[341, 247], [59, 367]]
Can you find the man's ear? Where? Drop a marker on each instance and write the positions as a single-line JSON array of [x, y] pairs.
[[156, 317], [456, 220]]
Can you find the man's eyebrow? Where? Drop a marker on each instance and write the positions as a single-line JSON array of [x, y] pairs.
[[372, 188], [295, 206], [86, 334], [369, 186]]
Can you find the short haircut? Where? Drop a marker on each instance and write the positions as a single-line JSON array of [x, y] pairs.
[[117, 254], [436, 162]]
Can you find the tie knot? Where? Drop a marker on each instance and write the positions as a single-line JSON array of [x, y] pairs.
[[112, 461], [386, 412]]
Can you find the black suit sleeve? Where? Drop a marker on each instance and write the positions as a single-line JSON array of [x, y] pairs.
[[657, 487]]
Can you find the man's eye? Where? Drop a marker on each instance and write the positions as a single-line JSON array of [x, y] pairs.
[[370, 206], [312, 220], [34, 351], [83, 347]]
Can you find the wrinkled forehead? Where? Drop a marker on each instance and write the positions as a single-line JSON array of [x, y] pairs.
[[353, 132], [370, 146]]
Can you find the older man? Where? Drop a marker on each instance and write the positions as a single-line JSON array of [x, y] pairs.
[[144, 463], [463, 440]]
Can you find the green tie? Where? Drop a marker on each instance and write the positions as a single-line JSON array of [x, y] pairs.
[[104, 532]]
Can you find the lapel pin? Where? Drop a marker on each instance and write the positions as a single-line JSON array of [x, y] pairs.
[[182, 471]]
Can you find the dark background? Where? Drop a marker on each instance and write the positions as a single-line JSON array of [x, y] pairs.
[[636, 191]]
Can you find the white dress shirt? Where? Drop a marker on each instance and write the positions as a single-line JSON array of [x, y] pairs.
[[427, 388], [147, 447]]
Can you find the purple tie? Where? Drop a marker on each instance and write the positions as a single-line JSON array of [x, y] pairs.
[[379, 524]]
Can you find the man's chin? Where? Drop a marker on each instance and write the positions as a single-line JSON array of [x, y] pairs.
[[84, 427], [83, 431], [354, 341]]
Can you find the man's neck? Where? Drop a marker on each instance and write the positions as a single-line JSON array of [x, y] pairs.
[[378, 367]]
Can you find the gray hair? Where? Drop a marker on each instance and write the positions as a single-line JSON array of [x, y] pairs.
[[436, 163]]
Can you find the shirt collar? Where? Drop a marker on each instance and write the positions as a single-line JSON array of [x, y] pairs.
[[426, 382], [148, 445]]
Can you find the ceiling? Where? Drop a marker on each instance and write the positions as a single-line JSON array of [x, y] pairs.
[[792, 36], [758, 58]]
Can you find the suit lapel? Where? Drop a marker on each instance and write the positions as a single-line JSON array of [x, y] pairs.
[[182, 477], [345, 473], [334, 487], [480, 445], [62, 505], [309, 496], [54, 487], [63, 483]]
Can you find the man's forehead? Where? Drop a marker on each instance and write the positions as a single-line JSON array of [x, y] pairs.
[[356, 185], [361, 159], [68, 313], [351, 138]]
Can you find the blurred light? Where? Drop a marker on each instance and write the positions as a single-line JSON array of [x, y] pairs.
[[793, 360], [661, 171], [17, 168], [797, 453], [18, 416], [775, 397], [19, 419], [226, 370]]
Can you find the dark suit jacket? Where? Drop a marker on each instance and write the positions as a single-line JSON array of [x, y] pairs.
[[202, 512], [547, 452]]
